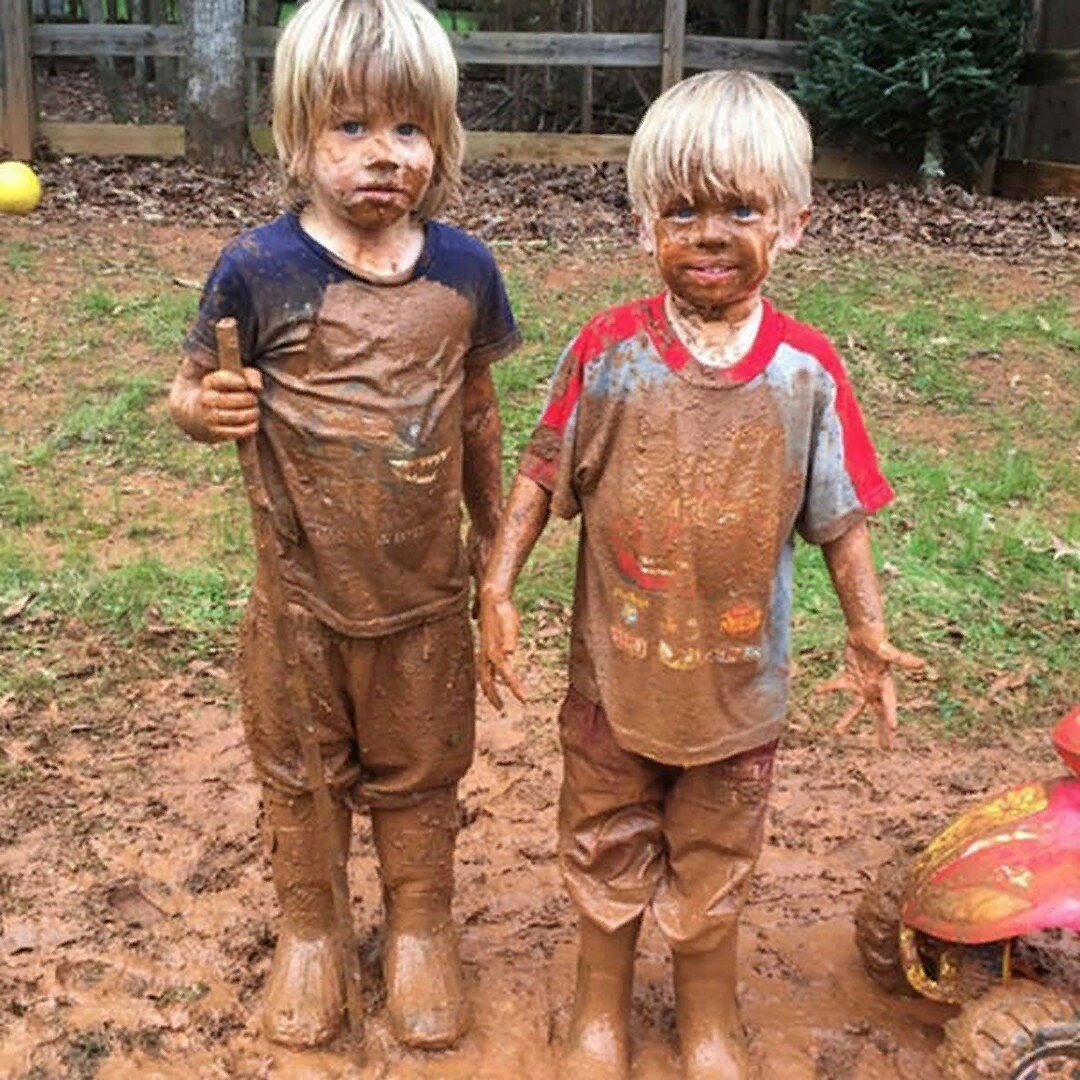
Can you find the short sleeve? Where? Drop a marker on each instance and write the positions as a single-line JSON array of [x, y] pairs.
[[225, 294], [495, 333], [549, 457], [844, 482]]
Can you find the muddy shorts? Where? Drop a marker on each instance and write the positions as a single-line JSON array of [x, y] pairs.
[[635, 833], [394, 715]]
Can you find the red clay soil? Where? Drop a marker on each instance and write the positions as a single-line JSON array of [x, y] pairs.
[[138, 911]]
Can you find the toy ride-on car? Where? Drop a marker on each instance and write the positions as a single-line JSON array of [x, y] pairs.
[[987, 917]]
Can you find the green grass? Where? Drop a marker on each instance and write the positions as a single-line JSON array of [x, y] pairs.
[[114, 522]]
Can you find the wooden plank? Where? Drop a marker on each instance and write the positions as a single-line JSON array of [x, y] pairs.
[[1048, 66], [109, 40], [20, 109], [673, 45], [134, 140], [540, 147], [1020, 179], [766, 57], [557, 49], [867, 168], [1051, 67], [167, 140]]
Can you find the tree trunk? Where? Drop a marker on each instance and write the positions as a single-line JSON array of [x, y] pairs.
[[216, 129], [932, 169]]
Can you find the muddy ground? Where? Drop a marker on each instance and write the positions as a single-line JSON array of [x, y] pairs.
[[136, 909]]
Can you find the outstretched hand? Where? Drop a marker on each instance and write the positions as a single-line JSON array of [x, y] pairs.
[[867, 675], [500, 628]]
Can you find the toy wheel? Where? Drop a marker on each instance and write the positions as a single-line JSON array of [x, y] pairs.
[[877, 925], [1020, 1030], [1057, 1054]]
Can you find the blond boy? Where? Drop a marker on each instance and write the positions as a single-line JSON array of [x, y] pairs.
[[368, 329], [695, 432]]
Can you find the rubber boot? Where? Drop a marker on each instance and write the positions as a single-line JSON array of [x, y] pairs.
[[598, 1041], [707, 1015], [305, 994], [425, 992]]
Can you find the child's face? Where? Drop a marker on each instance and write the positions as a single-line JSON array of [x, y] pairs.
[[714, 251], [372, 167]]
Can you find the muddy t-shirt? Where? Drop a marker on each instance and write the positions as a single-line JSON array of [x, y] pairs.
[[691, 482], [361, 410]]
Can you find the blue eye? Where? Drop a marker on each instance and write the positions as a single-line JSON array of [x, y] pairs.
[[408, 130], [683, 213], [352, 127], [743, 213]]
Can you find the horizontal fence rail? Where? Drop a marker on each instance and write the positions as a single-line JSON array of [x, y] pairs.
[[532, 49], [665, 51], [1048, 67]]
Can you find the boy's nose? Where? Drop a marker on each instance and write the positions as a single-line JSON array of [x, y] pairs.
[[379, 153], [714, 230]]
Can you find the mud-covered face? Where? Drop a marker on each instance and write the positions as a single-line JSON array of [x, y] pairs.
[[372, 166], [714, 252]]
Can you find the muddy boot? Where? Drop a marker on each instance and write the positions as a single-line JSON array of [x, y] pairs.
[[425, 992], [707, 1015], [598, 1041], [305, 994]]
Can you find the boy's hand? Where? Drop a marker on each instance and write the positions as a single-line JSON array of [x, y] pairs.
[[499, 630], [867, 674], [227, 404]]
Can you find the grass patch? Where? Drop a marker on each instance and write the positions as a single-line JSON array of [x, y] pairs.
[[121, 524]]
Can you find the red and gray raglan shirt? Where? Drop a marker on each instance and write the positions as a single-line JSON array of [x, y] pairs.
[[360, 437], [691, 482]]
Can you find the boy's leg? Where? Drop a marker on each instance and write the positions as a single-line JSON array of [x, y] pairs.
[[598, 1042], [425, 992], [611, 853], [415, 738], [305, 994], [714, 820]]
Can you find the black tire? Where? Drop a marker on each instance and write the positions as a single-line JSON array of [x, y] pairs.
[[1001, 1034], [877, 925]]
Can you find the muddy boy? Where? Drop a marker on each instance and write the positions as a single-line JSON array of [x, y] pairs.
[[368, 329], [695, 432]]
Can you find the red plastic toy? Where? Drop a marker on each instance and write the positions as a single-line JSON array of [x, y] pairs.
[[946, 925]]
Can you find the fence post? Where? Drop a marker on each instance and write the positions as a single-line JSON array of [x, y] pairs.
[[586, 11], [673, 47], [20, 111]]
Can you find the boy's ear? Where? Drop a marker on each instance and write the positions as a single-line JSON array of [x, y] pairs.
[[794, 227], [644, 233]]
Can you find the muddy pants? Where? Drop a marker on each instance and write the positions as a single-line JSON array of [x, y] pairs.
[[394, 715], [635, 833]]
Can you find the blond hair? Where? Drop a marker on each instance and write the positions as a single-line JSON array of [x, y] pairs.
[[333, 52], [724, 132]]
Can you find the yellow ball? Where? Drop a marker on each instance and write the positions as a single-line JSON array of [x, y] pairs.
[[20, 189]]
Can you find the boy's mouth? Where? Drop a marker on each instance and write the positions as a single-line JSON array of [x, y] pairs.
[[710, 273]]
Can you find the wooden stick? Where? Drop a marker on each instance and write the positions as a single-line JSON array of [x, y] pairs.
[[296, 691]]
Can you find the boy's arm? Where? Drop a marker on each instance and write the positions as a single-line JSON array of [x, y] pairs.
[[481, 431], [216, 406], [523, 521], [868, 655]]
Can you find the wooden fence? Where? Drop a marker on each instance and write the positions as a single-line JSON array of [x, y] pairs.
[[672, 50]]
